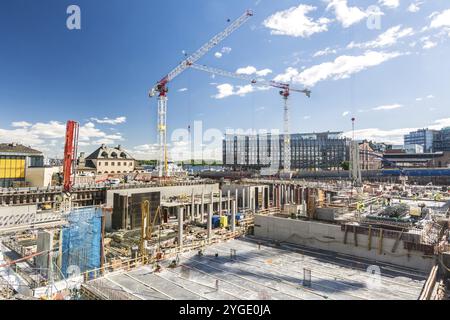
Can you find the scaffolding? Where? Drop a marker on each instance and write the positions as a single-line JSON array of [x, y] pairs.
[[81, 241]]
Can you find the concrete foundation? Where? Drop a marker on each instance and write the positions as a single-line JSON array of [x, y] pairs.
[[330, 237]]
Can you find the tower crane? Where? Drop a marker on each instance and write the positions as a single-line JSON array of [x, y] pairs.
[[285, 92], [161, 86]]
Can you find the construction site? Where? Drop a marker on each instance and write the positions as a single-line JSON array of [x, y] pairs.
[[184, 237]]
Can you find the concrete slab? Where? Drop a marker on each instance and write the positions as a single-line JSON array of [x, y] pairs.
[[263, 270]]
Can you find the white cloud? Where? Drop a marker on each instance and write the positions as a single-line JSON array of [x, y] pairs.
[[116, 121], [345, 113], [440, 124], [307, 117], [394, 136], [295, 22], [388, 107], [247, 70], [430, 96], [386, 39], [183, 90], [224, 50], [21, 124], [227, 90], [341, 68], [419, 99], [324, 52], [346, 15], [428, 44], [414, 7], [389, 3], [252, 70], [440, 20], [41, 135]]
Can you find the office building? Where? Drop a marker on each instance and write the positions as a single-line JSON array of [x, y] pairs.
[[309, 151]]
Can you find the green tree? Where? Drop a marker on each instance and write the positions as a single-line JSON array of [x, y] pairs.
[[345, 165]]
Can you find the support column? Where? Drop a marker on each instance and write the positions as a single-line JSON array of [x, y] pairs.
[[192, 206], [236, 196], [271, 193], [220, 203], [243, 199], [212, 200], [202, 208], [229, 201], [180, 227], [233, 216]]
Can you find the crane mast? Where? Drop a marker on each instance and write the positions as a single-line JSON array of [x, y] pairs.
[[161, 86], [285, 92]]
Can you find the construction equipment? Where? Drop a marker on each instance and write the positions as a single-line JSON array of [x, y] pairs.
[[147, 226], [161, 87], [285, 93], [70, 155]]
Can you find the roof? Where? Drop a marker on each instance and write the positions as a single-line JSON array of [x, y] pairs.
[[105, 152], [15, 148]]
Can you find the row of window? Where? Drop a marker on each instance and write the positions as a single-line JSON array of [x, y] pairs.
[[114, 172], [118, 163]]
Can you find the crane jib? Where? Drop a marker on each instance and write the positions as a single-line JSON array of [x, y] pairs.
[[205, 49]]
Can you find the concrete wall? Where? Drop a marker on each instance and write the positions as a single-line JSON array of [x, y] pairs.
[[330, 237], [165, 191], [41, 177]]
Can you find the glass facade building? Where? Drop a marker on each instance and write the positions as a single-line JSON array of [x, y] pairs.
[[313, 151], [14, 161], [430, 140], [425, 138]]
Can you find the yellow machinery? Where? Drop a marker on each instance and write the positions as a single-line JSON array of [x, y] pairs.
[[147, 225], [223, 221]]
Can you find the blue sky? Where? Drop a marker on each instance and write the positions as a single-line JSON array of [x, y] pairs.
[[392, 79]]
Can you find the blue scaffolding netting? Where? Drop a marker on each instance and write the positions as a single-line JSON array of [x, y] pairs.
[[81, 240]]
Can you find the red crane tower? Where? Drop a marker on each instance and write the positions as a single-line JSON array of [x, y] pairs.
[[70, 155]]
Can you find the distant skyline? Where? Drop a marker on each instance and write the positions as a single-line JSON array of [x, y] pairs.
[[383, 62]]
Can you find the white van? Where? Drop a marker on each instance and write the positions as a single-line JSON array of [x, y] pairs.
[[114, 182]]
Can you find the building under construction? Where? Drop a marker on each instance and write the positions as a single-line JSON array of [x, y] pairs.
[[243, 239]]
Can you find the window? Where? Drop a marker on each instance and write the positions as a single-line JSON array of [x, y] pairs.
[[131, 164], [106, 163], [99, 163], [118, 163], [113, 163]]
